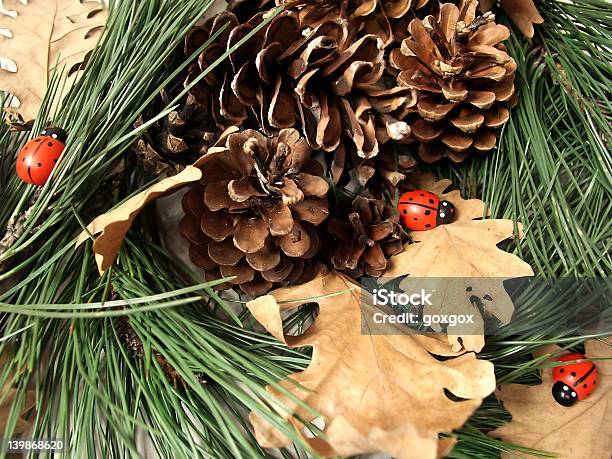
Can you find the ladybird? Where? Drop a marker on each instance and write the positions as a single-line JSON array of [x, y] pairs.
[[574, 381], [39, 156], [422, 210]]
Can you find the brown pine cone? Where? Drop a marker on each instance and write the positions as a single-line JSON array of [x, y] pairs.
[[255, 212], [386, 19], [364, 237], [246, 9], [180, 137], [214, 91], [384, 174], [317, 79], [463, 75]]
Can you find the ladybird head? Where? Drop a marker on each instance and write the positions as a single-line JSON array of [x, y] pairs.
[[56, 132], [446, 213], [564, 394]]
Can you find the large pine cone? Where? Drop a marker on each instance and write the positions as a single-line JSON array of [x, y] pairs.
[[246, 9], [386, 19], [319, 79], [255, 212], [463, 75], [365, 236]]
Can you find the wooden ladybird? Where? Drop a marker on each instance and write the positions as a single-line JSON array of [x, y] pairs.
[[573, 381], [422, 210], [39, 156]]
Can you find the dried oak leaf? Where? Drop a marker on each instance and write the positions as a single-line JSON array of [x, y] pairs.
[[374, 392], [40, 37], [523, 13], [115, 224], [467, 251], [581, 431]]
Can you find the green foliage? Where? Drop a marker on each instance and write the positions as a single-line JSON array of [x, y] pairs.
[[126, 362]]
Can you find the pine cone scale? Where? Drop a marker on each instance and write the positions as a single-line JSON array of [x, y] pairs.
[[250, 234], [264, 259]]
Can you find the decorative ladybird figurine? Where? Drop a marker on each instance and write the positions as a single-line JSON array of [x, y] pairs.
[[422, 210], [39, 156], [574, 381]]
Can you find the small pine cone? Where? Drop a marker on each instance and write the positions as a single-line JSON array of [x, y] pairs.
[[135, 347], [463, 76], [255, 212], [180, 137], [364, 238], [320, 80]]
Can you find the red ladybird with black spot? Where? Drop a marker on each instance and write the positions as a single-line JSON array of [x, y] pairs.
[[573, 381], [40, 155], [421, 210]]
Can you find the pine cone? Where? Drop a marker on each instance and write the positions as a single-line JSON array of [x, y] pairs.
[[317, 79], [254, 214], [386, 19], [214, 92], [246, 9], [180, 137], [365, 237], [463, 75], [384, 174]]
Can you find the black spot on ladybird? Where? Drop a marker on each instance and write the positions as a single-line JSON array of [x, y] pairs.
[[573, 373], [50, 144], [36, 140], [405, 211], [584, 385], [594, 382], [38, 164], [427, 212], [422, 194], [431, 201], [415, 219], [428, 226], [411, 199], [561, 370]]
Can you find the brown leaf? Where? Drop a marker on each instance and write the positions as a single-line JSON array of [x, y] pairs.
[[40, 38], [581, 431], [375, 393], [466, 248], [114, 224], [524, 14]]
